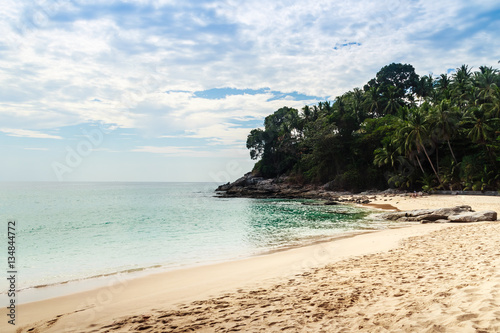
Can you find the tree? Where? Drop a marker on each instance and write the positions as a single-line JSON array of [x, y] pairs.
[[417, 135], [378, 135], [392, 100], [372, 102], [461, 86], [445, 122], [480, 131], [487, 80], [443, 87], [425, 87], [256, 142], [401, 76], [277, 143]]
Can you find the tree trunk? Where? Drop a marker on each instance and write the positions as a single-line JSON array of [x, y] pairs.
[[437, 156], [451, 150], [420, 164], [432, 165]]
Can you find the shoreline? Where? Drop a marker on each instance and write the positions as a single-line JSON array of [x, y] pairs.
[[133, 296], [67, 288], [139, 296], [58, 289]]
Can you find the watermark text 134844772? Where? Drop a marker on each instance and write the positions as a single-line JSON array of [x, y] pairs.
[[11, 271]]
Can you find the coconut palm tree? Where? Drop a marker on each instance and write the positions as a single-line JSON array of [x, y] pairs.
[[357, 99], [425, 87], [393, 102], [480, 130], [461, 86], [372, 101], [443, 86], [486, 80], [492, 107], [417, 135], [445, 122]]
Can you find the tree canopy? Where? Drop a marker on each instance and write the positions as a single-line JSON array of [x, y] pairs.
[[401, 130]]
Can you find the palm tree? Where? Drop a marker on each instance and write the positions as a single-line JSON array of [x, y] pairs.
[[341, 105], [392, 99], [386, 155], [445, 122], [417, 135], [425, 87], [486, 81], [372, 101], [493, 106], [462, 84], [357, 103], [443, 86], [481, 130]]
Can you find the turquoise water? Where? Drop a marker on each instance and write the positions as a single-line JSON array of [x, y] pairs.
[[73, 231]]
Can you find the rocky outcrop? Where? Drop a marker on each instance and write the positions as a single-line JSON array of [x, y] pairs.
[[426, 214], [258, 187], [487, 215], [250, 186], [442, 215]]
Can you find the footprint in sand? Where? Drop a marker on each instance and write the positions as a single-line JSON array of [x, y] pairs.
[[467, 316]]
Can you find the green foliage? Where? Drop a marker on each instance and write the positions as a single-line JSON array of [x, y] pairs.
[[400, 130]]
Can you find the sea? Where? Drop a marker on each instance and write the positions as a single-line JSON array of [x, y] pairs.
[[67, 232]]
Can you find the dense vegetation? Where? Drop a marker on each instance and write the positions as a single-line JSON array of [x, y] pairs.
[[401, 130]]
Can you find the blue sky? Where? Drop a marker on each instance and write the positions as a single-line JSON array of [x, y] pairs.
[[167, 90]]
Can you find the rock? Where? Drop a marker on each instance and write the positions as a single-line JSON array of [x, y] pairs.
[[330, 186], [453, 211], [393, 216], [487, 215], [224, 187], [425, 214], [432, 217], [241, 181], [435, 221], [311, 194]]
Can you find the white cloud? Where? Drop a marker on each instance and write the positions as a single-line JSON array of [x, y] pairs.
[[28, 134], [192, 151], [162, 114], [221, 134], [164, 150], [42, 149], [114, 68]]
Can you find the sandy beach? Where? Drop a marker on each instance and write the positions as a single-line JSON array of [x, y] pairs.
[[423, 278]]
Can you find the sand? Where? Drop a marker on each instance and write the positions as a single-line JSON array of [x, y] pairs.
[[406, 202], [425, 278]]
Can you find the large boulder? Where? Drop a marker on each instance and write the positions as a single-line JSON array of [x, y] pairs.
[[453, 211], [487, 215], [426, 214]]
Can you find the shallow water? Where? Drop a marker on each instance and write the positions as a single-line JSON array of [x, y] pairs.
[[73, 231]]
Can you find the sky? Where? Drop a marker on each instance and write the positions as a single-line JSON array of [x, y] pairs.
[[168, 90]]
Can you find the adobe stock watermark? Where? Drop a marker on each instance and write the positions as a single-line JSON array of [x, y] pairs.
[[75, 155], [37, 15], [95, 304], [233, 169], [94, 138]]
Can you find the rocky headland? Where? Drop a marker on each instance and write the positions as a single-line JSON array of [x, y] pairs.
[[250, 186]]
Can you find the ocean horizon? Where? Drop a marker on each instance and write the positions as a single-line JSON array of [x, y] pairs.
[[82, 230]]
